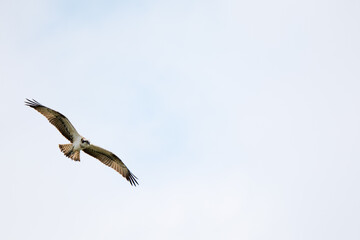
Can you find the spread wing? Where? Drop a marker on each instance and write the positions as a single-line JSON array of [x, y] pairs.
[[111, 160], [55, 118]]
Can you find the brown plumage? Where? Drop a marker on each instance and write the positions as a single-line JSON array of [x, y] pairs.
[[55, 118], [79, 143], [112, 161]]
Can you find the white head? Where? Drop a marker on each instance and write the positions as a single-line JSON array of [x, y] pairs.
[[84, 143]]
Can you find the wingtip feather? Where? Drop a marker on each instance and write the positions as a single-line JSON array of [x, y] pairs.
[[132, 179], [32, 103]]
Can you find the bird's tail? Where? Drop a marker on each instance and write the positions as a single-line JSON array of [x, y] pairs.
[[67, 149]]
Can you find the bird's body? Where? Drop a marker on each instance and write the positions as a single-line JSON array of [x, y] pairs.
[[79, 143]]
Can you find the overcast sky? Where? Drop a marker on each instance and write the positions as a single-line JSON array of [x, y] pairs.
[[239, 118]]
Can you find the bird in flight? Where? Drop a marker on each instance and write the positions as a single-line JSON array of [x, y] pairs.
[[78, 142]]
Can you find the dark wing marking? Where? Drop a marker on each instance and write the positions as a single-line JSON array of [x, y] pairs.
[[55, 118], [112, 161]]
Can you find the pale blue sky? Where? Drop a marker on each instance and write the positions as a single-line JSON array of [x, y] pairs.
[[240, 119]]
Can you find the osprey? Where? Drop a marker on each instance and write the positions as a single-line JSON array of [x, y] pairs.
[[78, 142]]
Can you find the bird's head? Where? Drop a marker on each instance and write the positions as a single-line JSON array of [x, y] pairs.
[[84, 142]]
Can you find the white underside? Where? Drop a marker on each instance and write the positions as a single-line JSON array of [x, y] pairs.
[[77, 143]]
